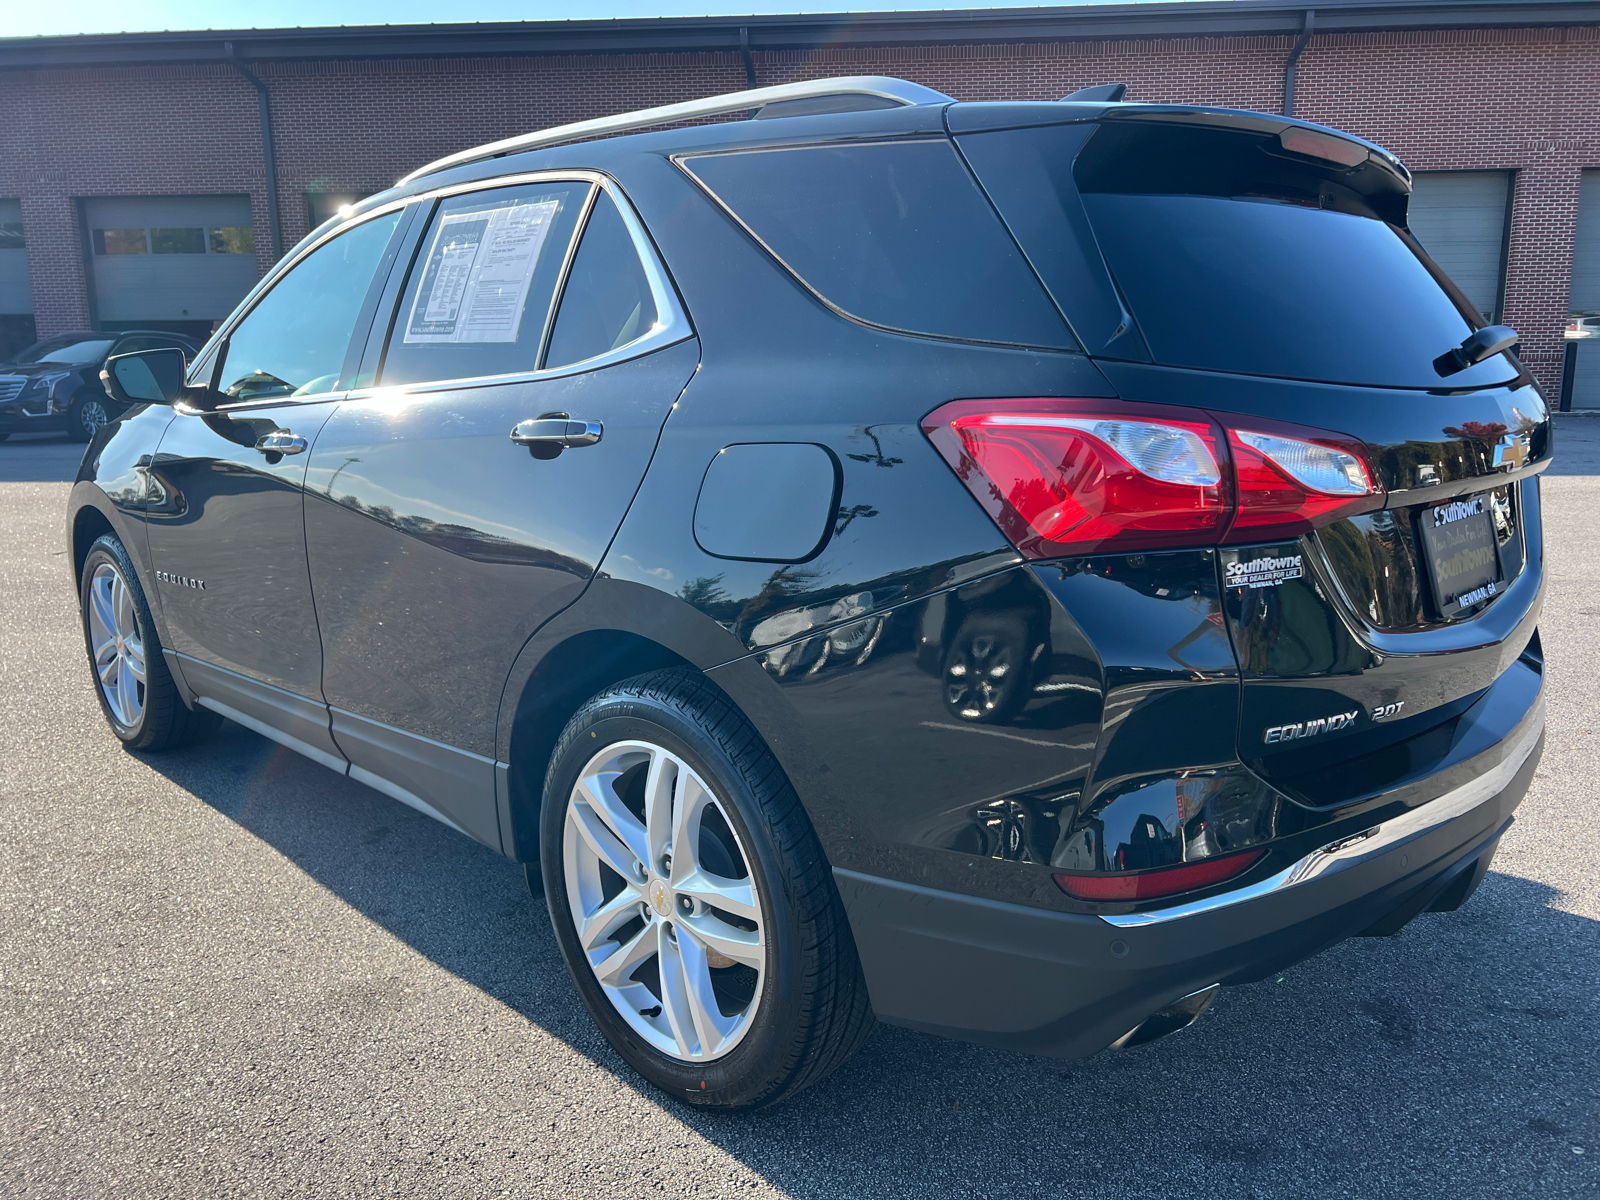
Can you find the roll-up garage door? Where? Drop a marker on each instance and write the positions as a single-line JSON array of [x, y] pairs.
[[170, 261], [1585, 295], [16, 290], [1460, 219]]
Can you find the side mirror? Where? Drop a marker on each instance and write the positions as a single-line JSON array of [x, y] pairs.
[[1479, 345], [145, 377]]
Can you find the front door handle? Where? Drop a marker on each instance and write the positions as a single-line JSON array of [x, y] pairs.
[[281, 442], [550, 433]]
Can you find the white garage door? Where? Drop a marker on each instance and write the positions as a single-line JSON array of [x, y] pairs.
[[170, 258], [1460, 219], [1585, 296], [16, 294]]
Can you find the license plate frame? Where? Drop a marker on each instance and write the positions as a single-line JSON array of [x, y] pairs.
[[1461, 554]]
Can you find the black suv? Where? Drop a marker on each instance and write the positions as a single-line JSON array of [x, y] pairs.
[[54, 386], [1010, 569]]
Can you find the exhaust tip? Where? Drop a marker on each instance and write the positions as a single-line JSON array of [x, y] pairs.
[[1180, 1014]]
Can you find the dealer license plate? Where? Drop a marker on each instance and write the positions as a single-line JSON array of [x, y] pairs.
[[1462, 552]]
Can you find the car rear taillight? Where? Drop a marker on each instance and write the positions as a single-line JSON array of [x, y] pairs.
[[1288, 485], [1163, 881], [1073, 476], [1066, 477]]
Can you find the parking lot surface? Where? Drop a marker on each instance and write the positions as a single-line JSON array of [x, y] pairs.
[[229, 972]]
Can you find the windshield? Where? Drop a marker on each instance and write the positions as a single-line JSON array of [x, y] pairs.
[[1265, 286], [66, 350]]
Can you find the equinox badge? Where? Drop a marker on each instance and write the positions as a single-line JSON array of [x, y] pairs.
[[1305, 729]]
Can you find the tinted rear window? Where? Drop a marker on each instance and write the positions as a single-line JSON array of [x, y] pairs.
[[1268, 287], [896, 234], [1234, 256]]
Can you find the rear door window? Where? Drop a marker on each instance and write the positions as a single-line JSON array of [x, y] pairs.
[[606, 303], [896, 235], [478, 299]]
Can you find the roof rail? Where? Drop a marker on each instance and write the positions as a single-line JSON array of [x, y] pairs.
[[897, 92]]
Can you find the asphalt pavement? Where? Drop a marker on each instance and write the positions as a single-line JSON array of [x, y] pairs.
[[229, 972]]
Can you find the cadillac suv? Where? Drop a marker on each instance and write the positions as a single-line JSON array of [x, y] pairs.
[[54, 386], [1004, 569]]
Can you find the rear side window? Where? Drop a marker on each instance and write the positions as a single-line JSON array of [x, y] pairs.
[[478, 297], [606, 302], [1234, 258], [892, 234]]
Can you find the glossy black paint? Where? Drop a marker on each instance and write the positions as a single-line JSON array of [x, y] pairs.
[[233, 518], [958, 724]]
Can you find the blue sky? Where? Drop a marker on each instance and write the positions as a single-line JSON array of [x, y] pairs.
[[113, 16]]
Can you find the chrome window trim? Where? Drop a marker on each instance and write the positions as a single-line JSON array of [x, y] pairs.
[[1359, 848], [672, 321]]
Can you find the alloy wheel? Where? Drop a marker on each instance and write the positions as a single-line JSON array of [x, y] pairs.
[[663, 900], [117, 643], [93, 417]]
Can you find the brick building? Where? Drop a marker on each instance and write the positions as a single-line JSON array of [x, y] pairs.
[[135, 168]]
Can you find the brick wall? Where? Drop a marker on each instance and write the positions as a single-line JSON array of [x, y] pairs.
[[1463, 99]]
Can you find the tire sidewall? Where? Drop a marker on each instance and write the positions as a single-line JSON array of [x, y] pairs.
[[109, 549], [738, 1078]]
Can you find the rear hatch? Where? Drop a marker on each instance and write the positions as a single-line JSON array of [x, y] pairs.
[[1261, 270]]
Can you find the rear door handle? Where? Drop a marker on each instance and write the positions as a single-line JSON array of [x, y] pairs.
[[281, 442], [554, 432]]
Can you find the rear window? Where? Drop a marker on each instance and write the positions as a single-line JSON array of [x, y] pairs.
[[893, 234], [1234, 259]]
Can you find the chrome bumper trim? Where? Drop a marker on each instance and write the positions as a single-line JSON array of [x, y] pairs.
[[1360, 847]]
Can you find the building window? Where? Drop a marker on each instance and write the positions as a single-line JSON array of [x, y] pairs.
[[233, 239], [177, 241], [120, 241], [216, 239], [11, 235]]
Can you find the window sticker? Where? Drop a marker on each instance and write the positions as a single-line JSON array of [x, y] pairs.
[[476, 281]]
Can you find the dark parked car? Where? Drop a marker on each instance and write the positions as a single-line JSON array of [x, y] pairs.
[[54, 386], [1010, 569]]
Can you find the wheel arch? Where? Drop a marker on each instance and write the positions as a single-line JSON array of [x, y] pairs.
[[619, 629], [567, 675]]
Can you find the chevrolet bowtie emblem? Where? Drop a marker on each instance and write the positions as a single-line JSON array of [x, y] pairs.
[[1511, 451]]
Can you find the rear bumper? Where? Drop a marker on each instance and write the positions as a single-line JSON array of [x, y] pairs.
[[1068, 984]]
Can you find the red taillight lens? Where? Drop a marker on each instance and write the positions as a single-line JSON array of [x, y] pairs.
[[1069, 476], [1164, 881], [1287, 485], [1095, 476]]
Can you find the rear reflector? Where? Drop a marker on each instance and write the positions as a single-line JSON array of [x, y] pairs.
[[1165, 881], [1066, 477]]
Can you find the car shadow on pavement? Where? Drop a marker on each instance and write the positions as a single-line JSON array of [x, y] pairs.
[[1455, 1059]]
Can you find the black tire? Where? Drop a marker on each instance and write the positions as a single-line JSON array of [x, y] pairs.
[[813, 1011], [163, 720], [87, 414]]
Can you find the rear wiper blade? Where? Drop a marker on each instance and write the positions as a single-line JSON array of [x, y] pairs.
[[1481, 344]]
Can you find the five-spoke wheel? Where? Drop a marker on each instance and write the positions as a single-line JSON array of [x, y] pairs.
[[664, 903], [691, 899], [116, 644]]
